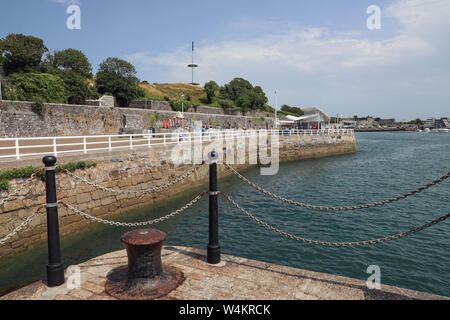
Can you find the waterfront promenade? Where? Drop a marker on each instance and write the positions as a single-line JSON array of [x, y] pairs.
[[239, 274], [233, 279]]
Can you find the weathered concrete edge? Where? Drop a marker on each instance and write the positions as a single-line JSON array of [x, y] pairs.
[[386, 293]]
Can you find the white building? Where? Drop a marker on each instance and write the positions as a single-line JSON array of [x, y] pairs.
[[312, 117]]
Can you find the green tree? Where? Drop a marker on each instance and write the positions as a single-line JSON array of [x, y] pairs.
[[226, 104], [119, 78], [77, 87], [35, 86], [21, 53], [235, 89], [417, 122], [244, 101], [211, 88], [244, 95], [294, 110], [258, 97], [69, 60]]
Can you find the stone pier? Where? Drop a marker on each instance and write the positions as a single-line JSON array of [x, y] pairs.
[[233, 279]]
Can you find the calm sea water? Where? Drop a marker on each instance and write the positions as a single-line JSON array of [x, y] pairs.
[[386, 164]]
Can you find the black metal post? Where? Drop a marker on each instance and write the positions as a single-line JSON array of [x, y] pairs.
[[55, 269], [213, 249]]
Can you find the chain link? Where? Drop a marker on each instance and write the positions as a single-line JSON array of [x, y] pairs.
[[333, 244], [146, 191], [343, 208], [18, 190], [21, 226], [134, 224]]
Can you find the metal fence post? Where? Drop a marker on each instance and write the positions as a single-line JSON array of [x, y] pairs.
[[55, 269], [213, 248]]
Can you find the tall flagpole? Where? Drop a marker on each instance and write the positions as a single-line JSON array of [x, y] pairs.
[[192, 62], [193, 65]]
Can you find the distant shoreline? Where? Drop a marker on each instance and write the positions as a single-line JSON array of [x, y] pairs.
[[383, 129]]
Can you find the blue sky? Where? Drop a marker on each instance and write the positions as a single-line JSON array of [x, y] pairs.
[[313, 53]]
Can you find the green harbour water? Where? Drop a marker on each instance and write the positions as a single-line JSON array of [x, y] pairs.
[[386, 165]]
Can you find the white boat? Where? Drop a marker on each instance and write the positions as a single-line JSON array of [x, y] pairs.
[[440, 130]]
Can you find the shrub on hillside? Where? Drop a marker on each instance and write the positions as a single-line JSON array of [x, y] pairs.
[[32, 86], [21, 53], [77, 87], [119, 77], [68, 60], [179, 105], [225, 103]]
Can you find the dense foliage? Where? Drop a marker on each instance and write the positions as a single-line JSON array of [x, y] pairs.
[[180, 105], [119, 78], [77, 87], [73, 67], [244, 95], [69, 60], [292, 110], [211, 89], [33, 86], [61, 78], [21, 53], [65, 76]]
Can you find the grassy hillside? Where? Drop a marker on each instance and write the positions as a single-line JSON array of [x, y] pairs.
[[174, 91]]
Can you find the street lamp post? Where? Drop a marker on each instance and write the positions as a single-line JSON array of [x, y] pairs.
[[276, 107], [182, 104]]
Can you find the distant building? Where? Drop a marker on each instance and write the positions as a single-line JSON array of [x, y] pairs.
[[429, 123], [446, 122], [313, 117], [386, 122], [433, 123], [348, 123]]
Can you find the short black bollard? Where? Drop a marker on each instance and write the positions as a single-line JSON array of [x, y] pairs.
[[145, 277], [213, 248], [55, 269]]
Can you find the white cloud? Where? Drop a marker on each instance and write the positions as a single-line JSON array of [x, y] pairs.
[[318, 53]]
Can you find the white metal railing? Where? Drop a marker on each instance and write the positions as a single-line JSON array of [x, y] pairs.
[[36, 146]]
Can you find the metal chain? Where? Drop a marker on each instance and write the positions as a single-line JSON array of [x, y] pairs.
[[18, 190], [134, 224], [21, 226], [333, 244], [343, 208], [151, 190]]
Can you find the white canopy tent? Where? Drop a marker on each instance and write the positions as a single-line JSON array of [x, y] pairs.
[[312, 116], [301, 118]]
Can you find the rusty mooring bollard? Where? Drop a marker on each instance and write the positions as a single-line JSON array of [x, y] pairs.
[[145, 277]]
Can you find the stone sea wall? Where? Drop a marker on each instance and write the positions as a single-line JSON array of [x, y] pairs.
[[139, 170], [18, 120]]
